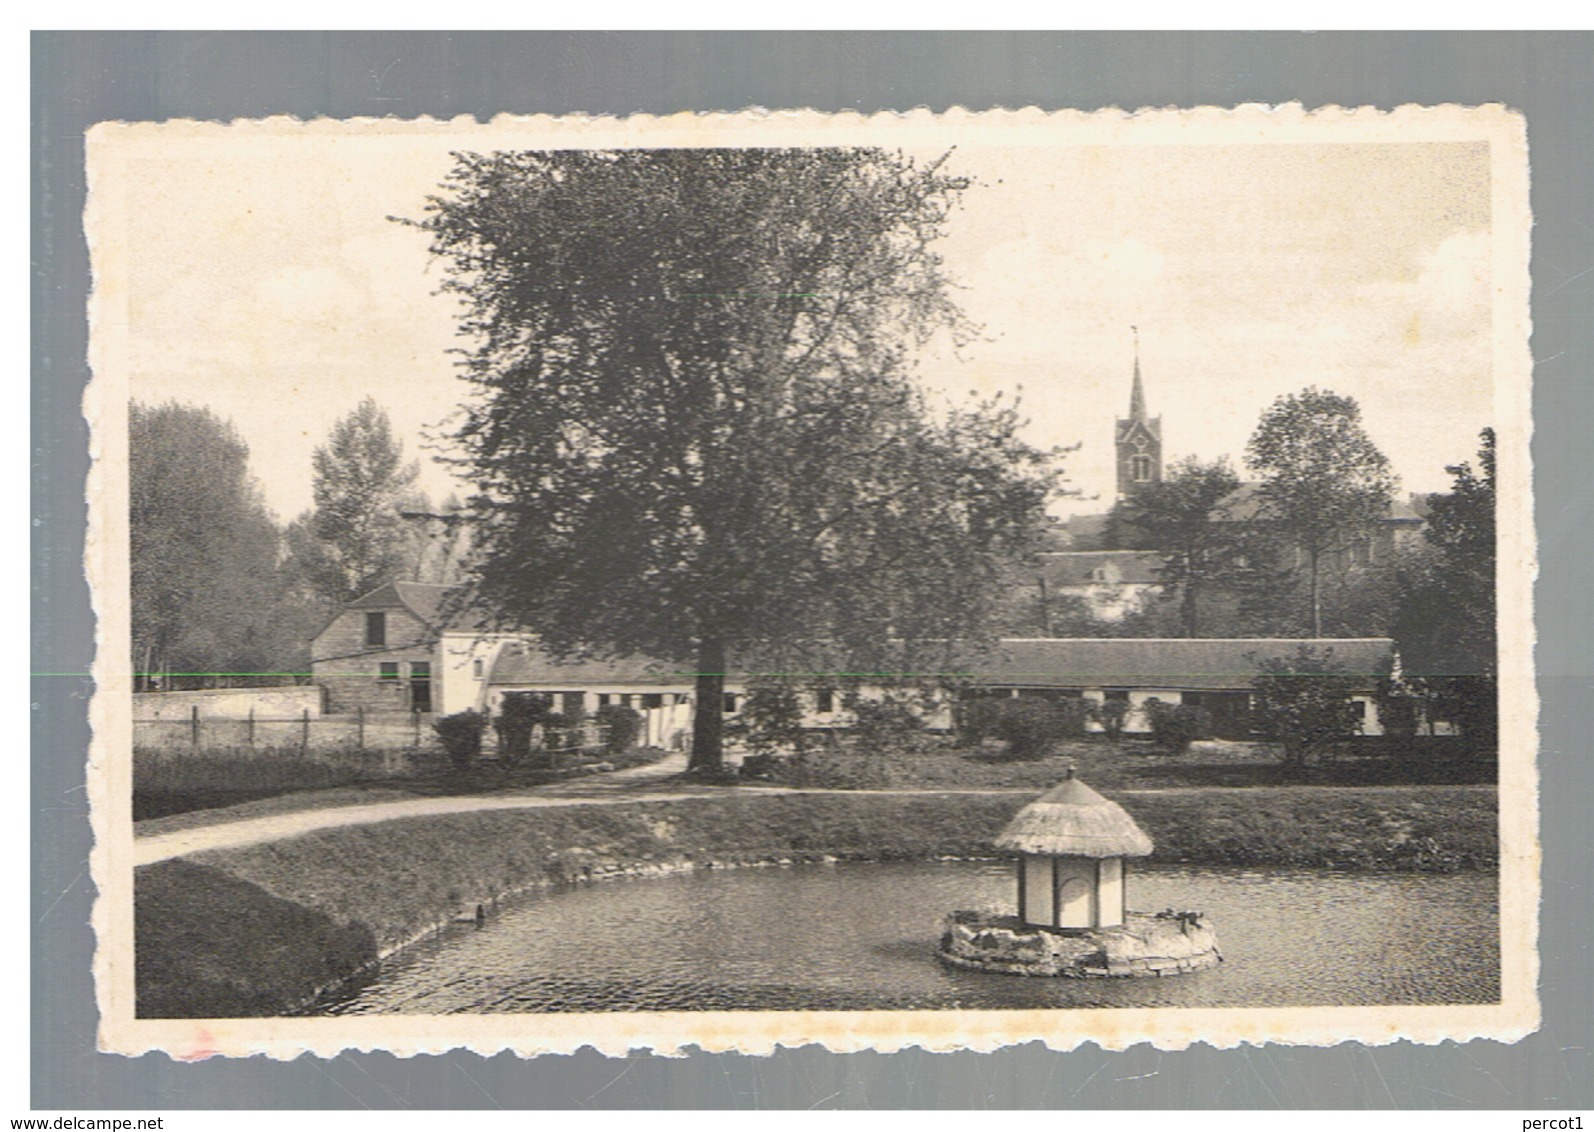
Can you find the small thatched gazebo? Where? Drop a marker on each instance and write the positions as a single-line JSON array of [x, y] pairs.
[[1072, 845]]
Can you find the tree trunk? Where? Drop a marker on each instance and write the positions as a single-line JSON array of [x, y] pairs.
[[1189, 611], [1317, 599], [708, 715]]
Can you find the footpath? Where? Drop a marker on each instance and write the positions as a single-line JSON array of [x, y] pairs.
[[633, 786]]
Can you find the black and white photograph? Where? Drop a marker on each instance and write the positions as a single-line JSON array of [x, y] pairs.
[[739, 579]]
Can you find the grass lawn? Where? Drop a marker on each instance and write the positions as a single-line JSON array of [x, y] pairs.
[[1124, 764]]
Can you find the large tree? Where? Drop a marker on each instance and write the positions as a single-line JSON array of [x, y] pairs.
[[697, 436], [1445, 625], [1324, 482], [204, 552], [1185, 518], [355, 538]]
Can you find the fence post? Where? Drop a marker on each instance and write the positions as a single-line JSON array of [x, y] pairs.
[[193, 725], [251, 727], [304, 741], [360, 715]]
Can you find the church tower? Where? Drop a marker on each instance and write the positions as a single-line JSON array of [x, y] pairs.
[[1138, 439]]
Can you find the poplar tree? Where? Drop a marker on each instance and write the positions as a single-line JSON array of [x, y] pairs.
[[355, 539], [1324, 482]]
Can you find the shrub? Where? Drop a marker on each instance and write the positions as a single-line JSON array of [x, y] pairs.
[[518, 715], [771, 718], [1072, 715], [885, 722], [978, 719], [1304, 704], [461, 735], [621, 726], [1175, 726], [1031, 727], [1111, 714]]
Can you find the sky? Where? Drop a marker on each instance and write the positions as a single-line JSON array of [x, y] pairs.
[[267, 282]]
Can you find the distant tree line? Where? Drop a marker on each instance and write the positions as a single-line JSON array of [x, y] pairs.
[[222, 594]]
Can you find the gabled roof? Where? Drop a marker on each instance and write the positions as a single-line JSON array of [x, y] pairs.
[[1203, 664], [522, 662], [1077, 567], [423, 599]]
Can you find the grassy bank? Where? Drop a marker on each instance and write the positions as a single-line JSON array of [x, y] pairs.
[[256, 930], [169, 784]]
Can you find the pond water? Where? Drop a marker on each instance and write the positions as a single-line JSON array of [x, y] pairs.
[[863, 937]]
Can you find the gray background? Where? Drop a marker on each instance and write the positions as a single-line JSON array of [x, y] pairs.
[[83, 77]]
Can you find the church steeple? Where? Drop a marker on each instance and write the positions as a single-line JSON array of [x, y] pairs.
[[1137, 395], [1138, 438]]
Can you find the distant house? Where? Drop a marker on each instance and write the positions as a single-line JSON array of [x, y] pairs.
[[1112, 584]]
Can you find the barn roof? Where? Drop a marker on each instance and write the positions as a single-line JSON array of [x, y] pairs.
[[522, 662], [1072, 820], [1210, 664]]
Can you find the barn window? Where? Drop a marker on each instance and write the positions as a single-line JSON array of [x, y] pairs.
[[477, 666], [375, 630], [652, 700], [825, 701], [388, 670], [730, 703]]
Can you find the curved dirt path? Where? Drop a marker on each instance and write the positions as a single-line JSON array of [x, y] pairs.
[[619, 788]]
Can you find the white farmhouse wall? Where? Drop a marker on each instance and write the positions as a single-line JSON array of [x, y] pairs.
[[230, 703]]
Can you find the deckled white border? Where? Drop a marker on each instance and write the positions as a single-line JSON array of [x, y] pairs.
[[110, 771]]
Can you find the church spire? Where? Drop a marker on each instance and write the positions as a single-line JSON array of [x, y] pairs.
[[1137, 395], [1139, 439]]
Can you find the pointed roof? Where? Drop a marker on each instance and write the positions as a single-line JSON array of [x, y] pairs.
[[1072, 820], [423, 599], [1137, 393]]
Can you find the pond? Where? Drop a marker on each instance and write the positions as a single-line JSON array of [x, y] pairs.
[[863, 937]]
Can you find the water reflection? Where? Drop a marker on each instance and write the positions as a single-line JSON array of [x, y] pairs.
[[862, 937]]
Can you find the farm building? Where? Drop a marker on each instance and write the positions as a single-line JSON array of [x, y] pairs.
[[397, 648]]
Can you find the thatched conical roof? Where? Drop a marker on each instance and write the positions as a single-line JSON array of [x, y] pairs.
[[1072, 820]]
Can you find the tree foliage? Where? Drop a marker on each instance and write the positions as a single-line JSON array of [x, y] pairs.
[[696, 430], [1304, 704], [204, 552], [1175, 726], [1185, 518], [355, 538], [1445, 627], [1323, 480]]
